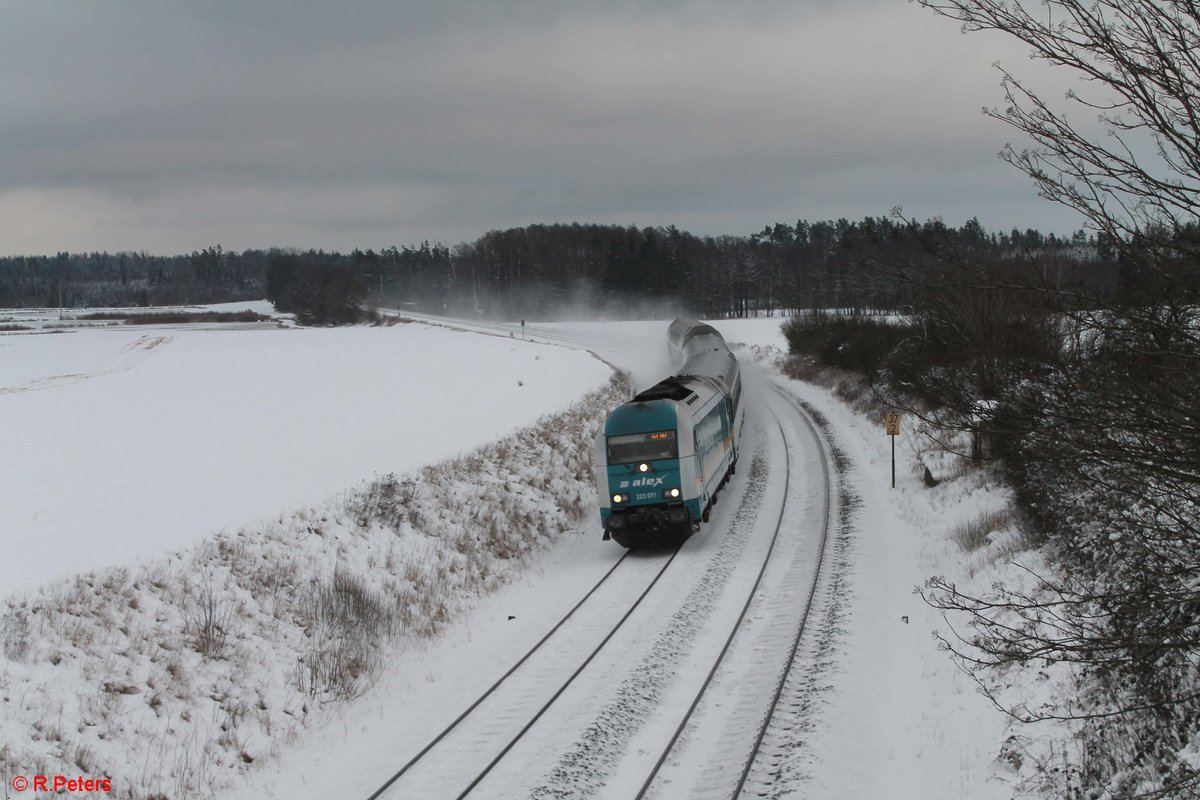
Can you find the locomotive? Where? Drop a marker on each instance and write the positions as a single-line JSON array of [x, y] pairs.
[[662, 457]]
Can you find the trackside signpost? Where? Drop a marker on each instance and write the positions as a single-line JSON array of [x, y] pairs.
[[893, 430]]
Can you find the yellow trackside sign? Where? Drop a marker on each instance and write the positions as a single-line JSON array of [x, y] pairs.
[[893, 424]]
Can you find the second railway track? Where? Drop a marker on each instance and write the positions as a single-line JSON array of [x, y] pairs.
[[743, 740]]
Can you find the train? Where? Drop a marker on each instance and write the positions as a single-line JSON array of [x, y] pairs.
[[662, 457]]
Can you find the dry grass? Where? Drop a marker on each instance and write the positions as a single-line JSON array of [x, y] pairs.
[[974, 534], [849, 387]]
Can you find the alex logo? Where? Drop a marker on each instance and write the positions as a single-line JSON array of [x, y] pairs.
[[643, 482]]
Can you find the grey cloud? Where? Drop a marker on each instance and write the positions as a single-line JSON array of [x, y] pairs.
[[184, 124]]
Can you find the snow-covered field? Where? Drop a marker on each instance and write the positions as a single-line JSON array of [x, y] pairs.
[[132, 443], [128, 441]]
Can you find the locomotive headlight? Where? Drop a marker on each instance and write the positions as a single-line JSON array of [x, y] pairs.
[[617, 498], [673, 493], [643, 467]]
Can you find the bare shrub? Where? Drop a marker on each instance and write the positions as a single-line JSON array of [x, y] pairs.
[[345, 623], [857, 343], [388, 321], [207, 613], [15, 635], [386, 500]]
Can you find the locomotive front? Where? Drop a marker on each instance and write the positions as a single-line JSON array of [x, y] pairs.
[[662, 457], [638, 454]]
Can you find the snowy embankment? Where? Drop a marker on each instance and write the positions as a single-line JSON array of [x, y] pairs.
[[892, 714], [175, 676], [163, 671]]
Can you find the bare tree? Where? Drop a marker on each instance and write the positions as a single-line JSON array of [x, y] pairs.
[[1107, 447], [1140, 63]]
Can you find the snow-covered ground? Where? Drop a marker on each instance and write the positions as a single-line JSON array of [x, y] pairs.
[[130, 441], [134, 443], [897, 717]]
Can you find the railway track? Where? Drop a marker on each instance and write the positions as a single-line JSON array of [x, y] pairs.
[[753, 771], [758, 729], [394, 784], [770, 738]]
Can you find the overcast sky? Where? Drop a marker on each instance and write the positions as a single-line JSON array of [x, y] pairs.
[[167, 126]]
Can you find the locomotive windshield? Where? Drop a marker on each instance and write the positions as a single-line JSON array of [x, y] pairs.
[[633, 447]]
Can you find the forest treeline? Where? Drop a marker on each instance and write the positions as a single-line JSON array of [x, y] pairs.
[[545, 270]]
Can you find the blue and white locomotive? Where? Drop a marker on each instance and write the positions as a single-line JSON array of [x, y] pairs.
[[661, 458]]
